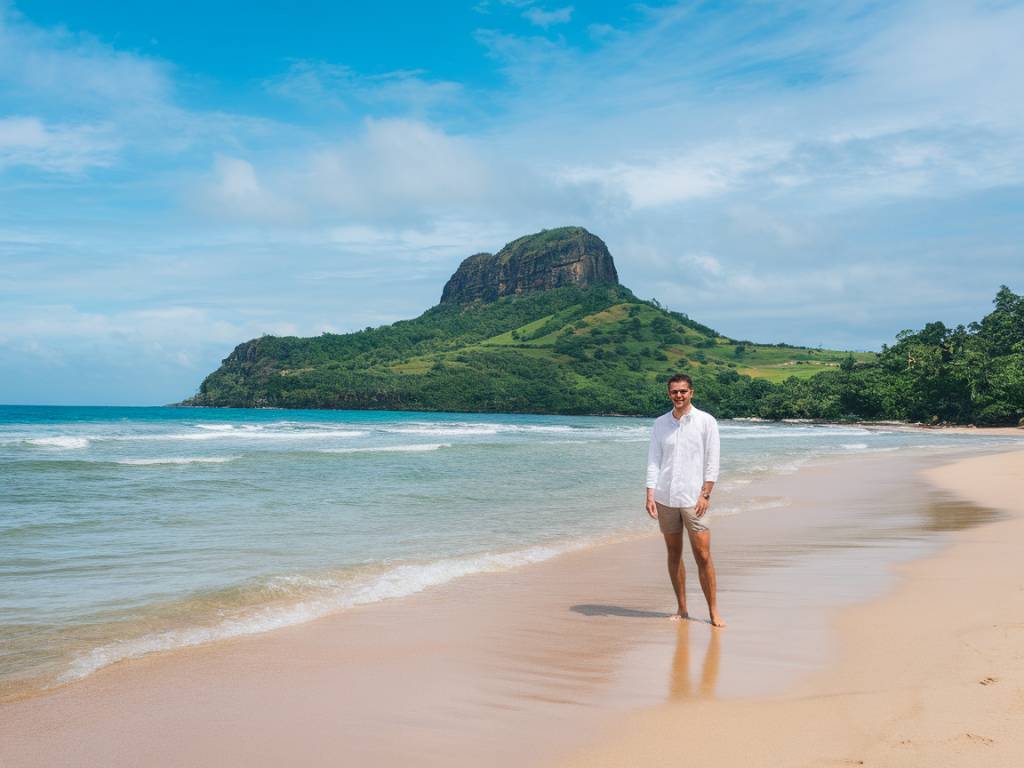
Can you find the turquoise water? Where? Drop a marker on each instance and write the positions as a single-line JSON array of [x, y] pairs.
[[129, 530]]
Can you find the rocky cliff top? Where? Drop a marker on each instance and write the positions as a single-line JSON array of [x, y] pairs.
[[552, 258]]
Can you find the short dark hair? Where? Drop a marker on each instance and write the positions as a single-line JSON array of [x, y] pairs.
[[676, 378]]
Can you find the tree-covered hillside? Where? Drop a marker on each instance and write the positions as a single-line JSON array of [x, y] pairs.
[[566, 350], [602, 350]]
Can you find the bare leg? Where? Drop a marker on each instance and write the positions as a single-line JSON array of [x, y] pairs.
[[677, 570], [700, 543]]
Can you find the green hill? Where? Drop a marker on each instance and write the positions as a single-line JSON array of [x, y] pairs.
[[579, 348], [544, 327]]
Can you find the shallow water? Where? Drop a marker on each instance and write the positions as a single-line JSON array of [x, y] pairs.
[[129, 530]]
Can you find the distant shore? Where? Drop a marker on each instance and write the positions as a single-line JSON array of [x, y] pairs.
[[971, 430]]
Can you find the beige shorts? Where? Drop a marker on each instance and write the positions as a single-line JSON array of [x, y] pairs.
[[674, 519]]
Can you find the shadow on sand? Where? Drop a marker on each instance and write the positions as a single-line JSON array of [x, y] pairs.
[[591, 609]]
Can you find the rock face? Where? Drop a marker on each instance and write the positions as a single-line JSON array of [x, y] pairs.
[[549, 259]]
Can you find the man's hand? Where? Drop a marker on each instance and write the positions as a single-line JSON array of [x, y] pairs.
[[652, 508], [704, 499], [700, 507]]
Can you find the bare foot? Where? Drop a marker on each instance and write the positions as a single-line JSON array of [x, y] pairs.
[[717, 621], [681, 616]]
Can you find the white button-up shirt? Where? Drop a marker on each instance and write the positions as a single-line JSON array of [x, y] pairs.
[[683, 455]]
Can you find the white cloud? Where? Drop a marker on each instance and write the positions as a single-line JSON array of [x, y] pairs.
[[528, 62], [945, 60], [441, 239], [709, 171], [58, 67], [165, 325], [601, 31], [324, 85], [393, 170], [233, 190], [399, 172], [137, 356], [28, 141], [400, 163], [79, 103], [705, 262], [754, 221], [63, 354], [541, 18]]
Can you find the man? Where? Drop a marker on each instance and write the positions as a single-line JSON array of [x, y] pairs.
[[682, 468]]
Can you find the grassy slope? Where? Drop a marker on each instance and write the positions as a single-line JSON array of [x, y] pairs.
[[567, 350], [770, 362]]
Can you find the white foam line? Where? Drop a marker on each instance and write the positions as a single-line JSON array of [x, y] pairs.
[[241, 435], [399, 581], [442, 431], [178, 460], [795, 433], [487, 428], [59, 442], [414, 448]]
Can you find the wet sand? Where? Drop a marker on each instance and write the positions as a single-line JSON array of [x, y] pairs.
[[932, 674], [1011, 432], [538, 663]]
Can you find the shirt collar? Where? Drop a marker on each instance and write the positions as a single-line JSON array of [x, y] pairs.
[[685, 417]]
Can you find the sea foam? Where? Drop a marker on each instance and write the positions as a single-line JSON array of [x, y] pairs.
[[60, 442], [178, 460], [329, 595], [245, 434], [411, 448]]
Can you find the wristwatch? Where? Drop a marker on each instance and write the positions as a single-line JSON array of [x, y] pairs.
[[706, 495]]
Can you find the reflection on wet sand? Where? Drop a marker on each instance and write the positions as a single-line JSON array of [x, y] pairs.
[[679, 682], [950, 514]]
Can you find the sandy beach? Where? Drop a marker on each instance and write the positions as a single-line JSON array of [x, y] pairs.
[[835, 652], [929, 675]]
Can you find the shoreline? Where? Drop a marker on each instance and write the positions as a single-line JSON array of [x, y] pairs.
[[485, 659], [929, 673], [950, 429], [972, 429]]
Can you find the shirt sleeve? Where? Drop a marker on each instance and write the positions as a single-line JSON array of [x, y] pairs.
[[654, 458], [711, 452]]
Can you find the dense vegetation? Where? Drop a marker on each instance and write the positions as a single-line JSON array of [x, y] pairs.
[[602, 350], [566, 350], [968, 374]]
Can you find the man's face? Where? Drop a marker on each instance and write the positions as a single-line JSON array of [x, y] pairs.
[[679, 392]]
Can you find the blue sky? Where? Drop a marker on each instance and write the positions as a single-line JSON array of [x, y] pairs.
[[178, 178]]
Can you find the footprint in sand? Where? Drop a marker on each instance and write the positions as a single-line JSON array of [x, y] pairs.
[[988, 681], [976, 739]]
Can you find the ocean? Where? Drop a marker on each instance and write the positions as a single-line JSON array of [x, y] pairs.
[[125, 531]]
